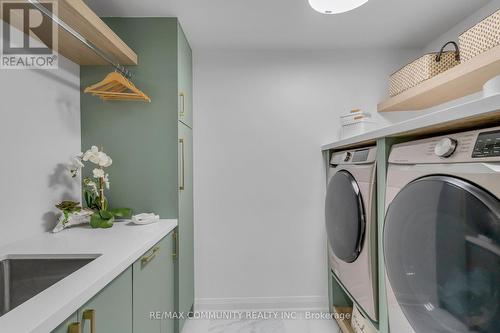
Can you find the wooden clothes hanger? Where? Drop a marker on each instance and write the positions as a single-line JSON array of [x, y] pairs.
[[116, 87]]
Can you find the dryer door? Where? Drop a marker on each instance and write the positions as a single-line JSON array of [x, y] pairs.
[[442, 255], [345, 216]]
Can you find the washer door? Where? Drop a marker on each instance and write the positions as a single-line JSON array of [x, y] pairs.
[[345, 216], [442, 255]]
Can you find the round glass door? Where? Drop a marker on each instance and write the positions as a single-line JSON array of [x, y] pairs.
[[345, 216], [442, 254]]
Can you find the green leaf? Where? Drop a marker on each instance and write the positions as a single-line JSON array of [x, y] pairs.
[[105, 215], [95, 220], [88, 198], [101, 220], [122, 213], [107, 223]]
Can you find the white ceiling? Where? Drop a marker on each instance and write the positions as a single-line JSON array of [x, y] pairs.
[[292, 24]]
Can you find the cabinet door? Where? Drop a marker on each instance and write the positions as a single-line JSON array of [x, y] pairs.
[[65, 326], [185, 263], [185, 78], [168, 284], [110, 310], [153, 288]]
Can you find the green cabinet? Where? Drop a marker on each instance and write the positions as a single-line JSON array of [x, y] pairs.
[[144, 138], [185, 263], [153, 288], [185, 79], [125, 304], [184, 285], [111, 309]]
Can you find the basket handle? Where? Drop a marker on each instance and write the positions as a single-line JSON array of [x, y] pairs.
[[457, 51]]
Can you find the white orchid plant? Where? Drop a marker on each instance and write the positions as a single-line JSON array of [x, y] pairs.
[[94, 188], [93, 191]]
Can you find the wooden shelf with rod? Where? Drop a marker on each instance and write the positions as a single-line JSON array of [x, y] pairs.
[[81, 18], [462, 80], [76, 15]]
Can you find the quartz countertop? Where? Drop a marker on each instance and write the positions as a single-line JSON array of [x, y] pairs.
[[480, 112], [117, 248]]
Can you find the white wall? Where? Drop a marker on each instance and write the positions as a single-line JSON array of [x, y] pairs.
[[260, 119], [39, 133]]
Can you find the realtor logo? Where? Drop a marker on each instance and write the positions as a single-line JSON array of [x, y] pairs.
[[29, 37]]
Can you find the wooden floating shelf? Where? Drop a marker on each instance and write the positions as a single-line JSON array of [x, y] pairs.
[[459, 81], [81, 18], [77, 15]]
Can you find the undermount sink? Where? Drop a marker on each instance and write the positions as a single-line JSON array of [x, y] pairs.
[[24, 278]]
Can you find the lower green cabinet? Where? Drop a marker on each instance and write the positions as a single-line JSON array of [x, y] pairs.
[[153, 289], [110, 311], [139, 300]]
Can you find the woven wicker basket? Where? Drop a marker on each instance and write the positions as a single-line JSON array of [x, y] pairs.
[[483, 36], [423, 69]]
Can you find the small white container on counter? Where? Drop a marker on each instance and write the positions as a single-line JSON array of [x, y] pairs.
[[356, 123]]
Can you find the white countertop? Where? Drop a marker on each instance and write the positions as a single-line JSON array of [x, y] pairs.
[[474, 109], [117, 247]]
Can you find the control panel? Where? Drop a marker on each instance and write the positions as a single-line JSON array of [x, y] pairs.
[[487, 145], [360, 155], [354, 156], [348, 156], [472, 146]]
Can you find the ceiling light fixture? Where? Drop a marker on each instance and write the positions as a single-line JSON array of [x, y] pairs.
[[335, 6]]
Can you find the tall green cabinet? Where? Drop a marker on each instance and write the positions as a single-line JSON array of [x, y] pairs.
[[150, 143]]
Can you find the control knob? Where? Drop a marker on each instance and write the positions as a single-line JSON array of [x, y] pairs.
[[347, 156], [445, 147]]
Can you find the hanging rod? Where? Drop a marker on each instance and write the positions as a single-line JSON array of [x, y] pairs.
[[104, 55]]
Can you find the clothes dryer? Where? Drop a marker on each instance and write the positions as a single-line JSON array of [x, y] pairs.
[[442, 234]]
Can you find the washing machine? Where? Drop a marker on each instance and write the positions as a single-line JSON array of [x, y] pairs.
[[350, 212], [442, 234]]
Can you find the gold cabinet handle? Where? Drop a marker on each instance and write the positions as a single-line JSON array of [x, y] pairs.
[[175, 237], [181, 185], [90, 315], [148, 258], [74, 328], [182, 103]]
